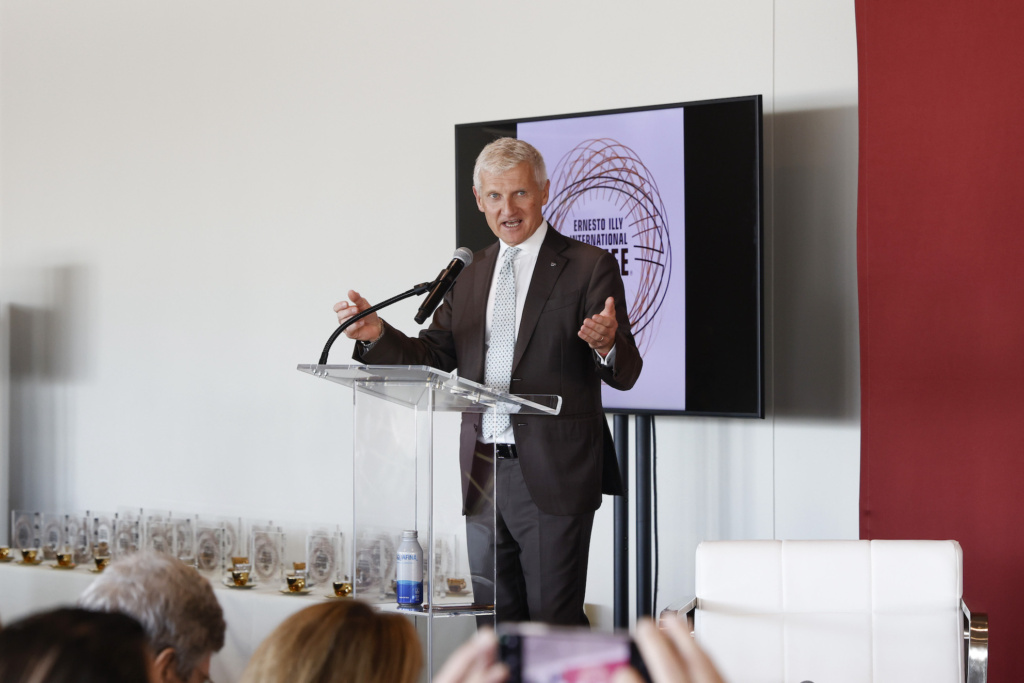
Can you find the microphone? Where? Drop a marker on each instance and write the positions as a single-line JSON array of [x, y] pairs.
[[462, 258]]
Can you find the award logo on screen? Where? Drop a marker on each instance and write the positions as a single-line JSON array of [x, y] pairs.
[[604, 195]]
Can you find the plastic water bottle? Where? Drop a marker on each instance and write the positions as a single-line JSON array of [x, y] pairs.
[[409, 568]]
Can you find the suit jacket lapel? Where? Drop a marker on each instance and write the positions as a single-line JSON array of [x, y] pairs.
[[550, 264]]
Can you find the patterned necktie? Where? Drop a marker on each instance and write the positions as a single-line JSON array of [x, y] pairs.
[[498, 370]]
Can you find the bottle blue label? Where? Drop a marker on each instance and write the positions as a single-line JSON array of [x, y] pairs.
[[410, 592]]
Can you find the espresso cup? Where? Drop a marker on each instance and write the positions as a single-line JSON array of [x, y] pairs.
[[342, 589], [65, 559], [101, 562], [296, 583], [29, 554], [5, 553], [240, 578]]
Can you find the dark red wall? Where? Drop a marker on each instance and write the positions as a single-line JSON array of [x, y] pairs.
[[941, 272]]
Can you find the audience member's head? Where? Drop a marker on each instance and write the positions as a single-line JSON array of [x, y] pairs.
[[343, 640], [75, 646], [175, 605]]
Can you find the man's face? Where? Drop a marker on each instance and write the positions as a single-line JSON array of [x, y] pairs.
[[512, 202]]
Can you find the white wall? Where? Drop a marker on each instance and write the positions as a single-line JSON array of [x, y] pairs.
[[187, 187]]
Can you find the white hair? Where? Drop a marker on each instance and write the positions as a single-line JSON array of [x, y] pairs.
[[506, 153], [175, 605]]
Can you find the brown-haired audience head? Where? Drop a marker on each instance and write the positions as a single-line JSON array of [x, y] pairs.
[[75, 646], [173, 602], [338, 641]]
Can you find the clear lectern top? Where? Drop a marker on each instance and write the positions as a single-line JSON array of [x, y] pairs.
[[415, 386]]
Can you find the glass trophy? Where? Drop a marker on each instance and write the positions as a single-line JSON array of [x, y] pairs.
[[323, 555], [267, 554], [100, 526], [157, 534], [127, 532], [184, 541], [444, 566], [235, 538], [25, 535], [51, 532], [76, 538], [374, 562], [209, 548]]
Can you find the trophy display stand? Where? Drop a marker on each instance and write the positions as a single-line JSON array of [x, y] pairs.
[[402, 481]]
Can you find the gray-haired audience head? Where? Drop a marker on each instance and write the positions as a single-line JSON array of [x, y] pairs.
[[175, 605], [506, 153]]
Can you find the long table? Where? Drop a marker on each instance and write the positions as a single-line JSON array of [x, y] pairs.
[[250, 614]]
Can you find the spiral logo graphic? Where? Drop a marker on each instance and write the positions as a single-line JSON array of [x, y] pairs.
[[603, 175]]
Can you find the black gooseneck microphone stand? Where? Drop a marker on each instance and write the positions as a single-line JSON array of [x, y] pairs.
[[421, 288]]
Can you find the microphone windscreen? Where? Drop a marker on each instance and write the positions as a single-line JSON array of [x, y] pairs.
[[464, 255]]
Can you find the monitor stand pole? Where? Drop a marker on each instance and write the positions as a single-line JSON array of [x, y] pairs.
[[621, 516], [644, 549], [644, 509]]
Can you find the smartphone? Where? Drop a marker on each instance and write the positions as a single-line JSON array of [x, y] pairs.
[[537, 653]]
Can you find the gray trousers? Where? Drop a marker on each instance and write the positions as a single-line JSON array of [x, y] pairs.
[[539, 560]]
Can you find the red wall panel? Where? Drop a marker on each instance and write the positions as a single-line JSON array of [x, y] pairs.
[[941, 285]]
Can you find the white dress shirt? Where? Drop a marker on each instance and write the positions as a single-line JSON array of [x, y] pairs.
[[522, 266]]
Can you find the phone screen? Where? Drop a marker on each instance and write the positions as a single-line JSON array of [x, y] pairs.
[[537, 654]]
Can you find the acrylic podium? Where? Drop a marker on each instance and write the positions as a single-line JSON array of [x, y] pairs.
[[406, 475]]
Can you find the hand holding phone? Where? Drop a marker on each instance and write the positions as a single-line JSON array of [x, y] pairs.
[[537, 653], [671, 654], [474, 662]]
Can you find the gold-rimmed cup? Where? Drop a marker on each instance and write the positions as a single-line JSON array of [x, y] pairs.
[[240, 577], [30, 555], [5, 553], [101, 562], [65, 560], [342, 589], [296, 583]]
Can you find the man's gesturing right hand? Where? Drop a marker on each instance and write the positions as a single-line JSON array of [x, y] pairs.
[[367, 329]]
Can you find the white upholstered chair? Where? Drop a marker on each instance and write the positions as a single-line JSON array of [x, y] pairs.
[[836, 612]]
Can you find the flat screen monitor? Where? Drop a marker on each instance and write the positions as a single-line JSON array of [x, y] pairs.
[[674, 193]]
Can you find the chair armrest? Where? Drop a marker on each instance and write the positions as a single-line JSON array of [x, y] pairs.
[[681, 609], [975, 644]]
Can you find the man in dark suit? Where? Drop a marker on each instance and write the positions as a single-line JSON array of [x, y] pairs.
[[535, 313]]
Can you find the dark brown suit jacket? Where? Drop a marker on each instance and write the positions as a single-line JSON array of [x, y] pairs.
[[569, 459]]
